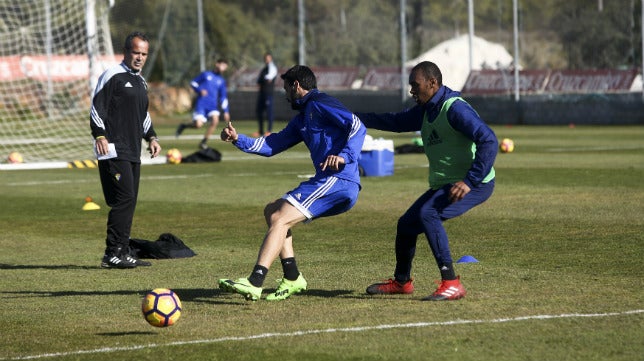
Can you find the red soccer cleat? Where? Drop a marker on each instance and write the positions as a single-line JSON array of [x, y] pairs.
[[448, 290], [391, 287]]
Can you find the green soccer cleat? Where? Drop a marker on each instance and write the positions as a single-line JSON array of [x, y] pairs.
[[241, 286], [287, 288]]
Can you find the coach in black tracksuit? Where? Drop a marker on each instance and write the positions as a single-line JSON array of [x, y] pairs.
[[119, 116]]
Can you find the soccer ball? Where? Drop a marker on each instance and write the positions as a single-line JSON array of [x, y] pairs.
[[15, 157], [173, 156], [506, 145], [161, 307]]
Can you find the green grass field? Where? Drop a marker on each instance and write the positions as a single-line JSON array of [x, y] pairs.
[[560, 272]]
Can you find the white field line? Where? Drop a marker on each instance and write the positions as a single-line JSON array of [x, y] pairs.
[[323, 331], [592, 149], [179, 176], [145, 160], [152, 177]]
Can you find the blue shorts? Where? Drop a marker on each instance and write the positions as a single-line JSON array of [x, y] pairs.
[[203, 112], [323, 197], [205, 108]]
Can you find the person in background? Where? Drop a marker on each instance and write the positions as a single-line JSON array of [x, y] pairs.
[[461, 150], [212, 99], [266, 85], [119, 119], [334, 137]]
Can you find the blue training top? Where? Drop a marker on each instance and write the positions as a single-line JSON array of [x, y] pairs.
[[326, 127], [215, 85]]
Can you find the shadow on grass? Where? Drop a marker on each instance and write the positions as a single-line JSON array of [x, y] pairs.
[[326, 293], [45, 266], [206, 295], [210, 296], [215, 296], [126, 333], [72, 293]]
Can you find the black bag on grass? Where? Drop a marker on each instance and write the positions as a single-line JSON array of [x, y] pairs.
[[203, 156], [409, 149], [167, 246]]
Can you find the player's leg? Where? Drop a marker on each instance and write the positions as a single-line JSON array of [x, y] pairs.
[[311, 199], [292, 279], [213, 116], [198, 119], [318, 198], [408, 228], [119, 188], [278, 239], [136, 177], [281, 217], [450, 287], [269, 113], [259, 113], [437, 210]]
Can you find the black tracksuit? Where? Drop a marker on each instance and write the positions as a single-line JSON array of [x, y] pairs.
[[120, 114]]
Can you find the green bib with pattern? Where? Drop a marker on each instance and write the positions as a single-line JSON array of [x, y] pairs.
[[449, 152]]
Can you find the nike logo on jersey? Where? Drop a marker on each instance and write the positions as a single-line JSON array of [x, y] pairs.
[[128, 85]]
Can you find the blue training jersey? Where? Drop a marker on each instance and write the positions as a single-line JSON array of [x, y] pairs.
[[215, 85], [326, 127]]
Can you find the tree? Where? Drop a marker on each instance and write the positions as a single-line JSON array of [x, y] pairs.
[[554, 33], [597, 39]]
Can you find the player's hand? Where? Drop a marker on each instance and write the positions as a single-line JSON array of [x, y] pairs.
[[229, 134], [102, 147], [332, 162], [458, 191], [154, 148]]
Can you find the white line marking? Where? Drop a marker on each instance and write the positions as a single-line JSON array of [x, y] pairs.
[[327, 330], [592, 149], [152, 177]]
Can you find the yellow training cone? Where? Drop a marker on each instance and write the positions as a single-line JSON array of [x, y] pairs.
[[90, 205]]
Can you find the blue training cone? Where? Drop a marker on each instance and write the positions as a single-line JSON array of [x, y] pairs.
[[467, 259]]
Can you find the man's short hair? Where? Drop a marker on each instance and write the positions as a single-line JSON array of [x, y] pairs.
[[429, 70], [303, 74], [128, 40]]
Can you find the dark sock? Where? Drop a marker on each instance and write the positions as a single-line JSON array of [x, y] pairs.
[[401, 280], [289, 266], [257, 277], [447, 272]]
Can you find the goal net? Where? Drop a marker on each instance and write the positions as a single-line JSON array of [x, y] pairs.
[[50, 50]]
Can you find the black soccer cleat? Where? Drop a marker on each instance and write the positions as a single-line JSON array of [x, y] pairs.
[[117, 262], [180, 129], [137, 261]]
